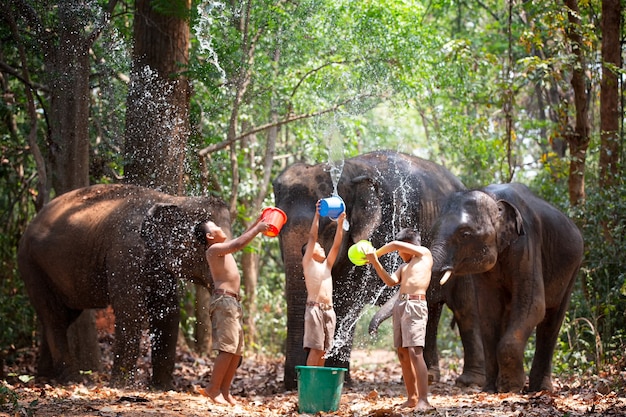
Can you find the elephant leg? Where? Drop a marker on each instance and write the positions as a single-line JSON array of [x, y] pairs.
[[547, 334], [296, 355], [164, 316], [462, 302], [490, 310], [431, 353], [54, 360], [128, 325], [511, 376], [45, 364]]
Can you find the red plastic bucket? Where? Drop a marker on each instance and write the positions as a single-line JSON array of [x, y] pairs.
[[276, 218]]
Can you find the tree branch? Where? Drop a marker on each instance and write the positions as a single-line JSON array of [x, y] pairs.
[[227, 142]]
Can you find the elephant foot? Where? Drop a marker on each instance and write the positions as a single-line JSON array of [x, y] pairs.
[[121, 380], [433, 376], [505, 384], [162, 385], [468, 379], [489, 389], [545, 384], [64, 375]]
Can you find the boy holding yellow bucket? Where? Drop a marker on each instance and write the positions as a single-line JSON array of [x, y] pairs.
[[410, 313]]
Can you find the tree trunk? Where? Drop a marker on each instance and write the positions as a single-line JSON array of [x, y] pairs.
[[68, 69], [250, 270], [609, 94], [157, 118], [68, 72], [578, 139]]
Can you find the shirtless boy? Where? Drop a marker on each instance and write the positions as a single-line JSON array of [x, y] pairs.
[[410, 313], [319, 316], [224, 306]]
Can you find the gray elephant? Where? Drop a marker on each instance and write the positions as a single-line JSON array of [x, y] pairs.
[[118, 245], [383, 192], [524, 255]]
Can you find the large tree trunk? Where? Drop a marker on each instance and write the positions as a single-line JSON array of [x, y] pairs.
[[68, 69], [157, 118], [609, 94], [578, 139], [250, 271]]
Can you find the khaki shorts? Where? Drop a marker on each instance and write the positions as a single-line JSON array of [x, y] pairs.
[[409, 323], [226, 324], [319, 328]]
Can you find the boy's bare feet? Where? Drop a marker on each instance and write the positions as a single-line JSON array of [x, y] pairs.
[[420, 405], [231, 400], [215, 398], [424, 406], [408, 404]]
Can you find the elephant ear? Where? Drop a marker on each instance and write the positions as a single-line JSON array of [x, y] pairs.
[[510, 224], [164, 229], [365, 210]]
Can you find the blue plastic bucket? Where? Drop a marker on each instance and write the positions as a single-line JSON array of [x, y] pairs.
[[319, 388], [332, 207]]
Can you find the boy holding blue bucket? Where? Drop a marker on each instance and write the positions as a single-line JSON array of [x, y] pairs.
[[319, 316], [410, 312]]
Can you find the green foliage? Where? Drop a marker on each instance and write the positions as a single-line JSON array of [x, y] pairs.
[[9, 400], [271, 315], [599, 301], [8, 397], [16, 314]]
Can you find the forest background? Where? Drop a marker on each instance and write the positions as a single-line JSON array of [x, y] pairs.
[[207, 97]]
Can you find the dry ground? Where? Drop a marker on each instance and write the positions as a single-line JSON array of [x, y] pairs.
[[375, 389]]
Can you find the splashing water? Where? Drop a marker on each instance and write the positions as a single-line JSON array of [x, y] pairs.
[[336, 161], [398, 213], [335, 156], [210, 15]]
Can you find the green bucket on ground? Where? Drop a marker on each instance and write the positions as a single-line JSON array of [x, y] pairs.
[[319, 388]]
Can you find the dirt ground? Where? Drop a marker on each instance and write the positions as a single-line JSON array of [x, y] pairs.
[[375, 390]]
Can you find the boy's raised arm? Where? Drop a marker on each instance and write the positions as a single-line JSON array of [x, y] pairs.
[[334, 250], [234, 245]]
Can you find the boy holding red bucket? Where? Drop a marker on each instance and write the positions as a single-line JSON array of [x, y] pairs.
[[319, 316], [224, 306]]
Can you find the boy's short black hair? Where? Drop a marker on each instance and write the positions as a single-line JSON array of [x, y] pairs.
[[304, 248], [409, 235], [200, 232]]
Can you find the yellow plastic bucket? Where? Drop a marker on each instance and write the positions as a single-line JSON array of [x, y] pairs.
[[319, 388], [357, 252]]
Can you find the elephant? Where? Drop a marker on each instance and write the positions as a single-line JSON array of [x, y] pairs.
[[383, 192], [119, 245], [524, 255]]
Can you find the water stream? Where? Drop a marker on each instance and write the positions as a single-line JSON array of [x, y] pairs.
[[397, 211]]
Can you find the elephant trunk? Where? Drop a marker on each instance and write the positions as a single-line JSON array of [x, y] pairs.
[[381, 315]]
